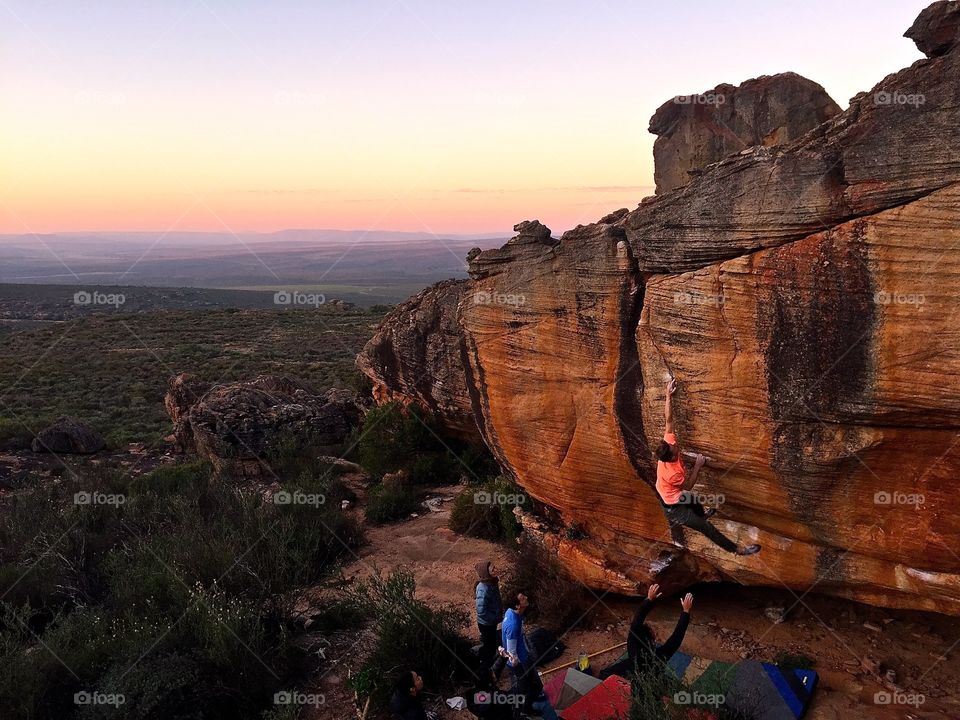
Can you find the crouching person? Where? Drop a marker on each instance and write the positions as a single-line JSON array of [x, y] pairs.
[[405, 704], [644, 654]]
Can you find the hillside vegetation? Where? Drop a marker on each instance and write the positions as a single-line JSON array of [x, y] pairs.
[[112, 370]]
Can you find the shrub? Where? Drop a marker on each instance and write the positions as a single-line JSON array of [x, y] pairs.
[[652, 694], [395, 438], [659, 695], [388, 439], [337, 614], [476, 462], [791, 661], [487, 520], [410, 634], [360, 384], [386, 503], [294, 458], [165, 684], [432, 468], [17, 435], [178, 597], [557, 601]]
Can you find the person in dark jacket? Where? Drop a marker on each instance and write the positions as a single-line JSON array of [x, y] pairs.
[[489, 612], [486, 701], [405, 703], [527, 691], [643, 653]]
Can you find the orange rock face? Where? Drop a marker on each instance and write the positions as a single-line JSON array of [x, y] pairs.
[[806, 298], [822, 378]]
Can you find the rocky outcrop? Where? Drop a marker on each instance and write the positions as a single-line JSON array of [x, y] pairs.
[[893, 145], [183, 392], [237, 426], [804, 295], [937, 28], [68, 435], [697, 130], [419, 334]]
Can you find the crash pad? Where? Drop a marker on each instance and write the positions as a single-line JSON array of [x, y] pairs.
[[769, 693], [610, 700], [565, 688], [761, 690]]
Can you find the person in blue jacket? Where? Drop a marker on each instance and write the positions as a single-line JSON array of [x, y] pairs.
[[489, 610], [529, 689], [512, 631]]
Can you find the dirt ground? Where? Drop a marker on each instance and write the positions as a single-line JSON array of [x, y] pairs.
[[853, 644]]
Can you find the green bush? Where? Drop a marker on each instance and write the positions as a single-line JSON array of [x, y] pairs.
[[389, 439], [387, 503], [360, 384], [472, 515], [659, 695], [433, 468], [557, 601], [395, 438], [18, 434], [791, 661], [476, 462], [410, 634], [652, 695], [178, 597], [296, 458], [338, 614]]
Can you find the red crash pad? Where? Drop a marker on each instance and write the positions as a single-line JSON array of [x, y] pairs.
[[610, 700]]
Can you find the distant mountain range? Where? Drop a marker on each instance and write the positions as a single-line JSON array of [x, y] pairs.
[[383, 266]]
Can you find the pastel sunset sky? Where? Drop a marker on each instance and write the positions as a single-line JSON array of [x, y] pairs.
[[425, 115]]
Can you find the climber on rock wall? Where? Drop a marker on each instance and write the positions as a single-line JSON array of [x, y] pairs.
[[680, 505]]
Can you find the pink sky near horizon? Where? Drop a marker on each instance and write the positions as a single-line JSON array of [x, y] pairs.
[[380, 114]]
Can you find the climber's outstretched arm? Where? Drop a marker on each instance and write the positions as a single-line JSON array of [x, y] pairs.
[[668, 405], [666, 651]]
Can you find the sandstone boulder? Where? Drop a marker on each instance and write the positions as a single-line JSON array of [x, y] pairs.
[[805, 295], [183, 392], [424, 332], [697, 130], [237, 425], [68, 435]]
